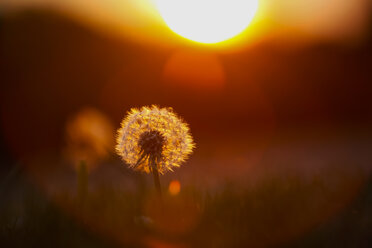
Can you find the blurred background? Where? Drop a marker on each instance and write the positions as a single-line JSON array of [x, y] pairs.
[[281, 115]]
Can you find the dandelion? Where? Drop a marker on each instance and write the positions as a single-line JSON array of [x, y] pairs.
[[89, 136], [153, 139]]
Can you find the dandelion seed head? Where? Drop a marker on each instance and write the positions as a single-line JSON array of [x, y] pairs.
[[89, 136], [153, 135]]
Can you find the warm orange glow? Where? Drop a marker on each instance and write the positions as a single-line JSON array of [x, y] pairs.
[[89, 137], [174, 187], [175, 216], [331, 18], [194, 70], [211, 21], [152, 242], [207, 21]]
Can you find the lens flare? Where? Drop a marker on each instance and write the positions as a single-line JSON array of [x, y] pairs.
[[194, 70]]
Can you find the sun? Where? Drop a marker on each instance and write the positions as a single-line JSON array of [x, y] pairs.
[[207, 21]]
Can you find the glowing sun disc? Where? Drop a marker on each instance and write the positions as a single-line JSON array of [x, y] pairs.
[[207, 21]]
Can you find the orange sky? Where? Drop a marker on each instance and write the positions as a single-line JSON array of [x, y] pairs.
[[338, 20]]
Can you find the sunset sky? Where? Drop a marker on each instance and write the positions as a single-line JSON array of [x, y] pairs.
[[340, 20]]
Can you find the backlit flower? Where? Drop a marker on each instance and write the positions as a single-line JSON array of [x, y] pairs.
[[153, 136]]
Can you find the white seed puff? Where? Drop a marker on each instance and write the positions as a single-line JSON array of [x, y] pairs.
[[171, 140]]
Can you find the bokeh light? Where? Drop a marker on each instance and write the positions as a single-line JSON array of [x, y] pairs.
[[174, 187]]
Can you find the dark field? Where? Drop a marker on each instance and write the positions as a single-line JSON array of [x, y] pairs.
[[304, 193]]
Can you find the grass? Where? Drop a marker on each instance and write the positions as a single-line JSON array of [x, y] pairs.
[[332, 210]]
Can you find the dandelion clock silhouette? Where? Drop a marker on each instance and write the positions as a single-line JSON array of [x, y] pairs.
[[153, 139]]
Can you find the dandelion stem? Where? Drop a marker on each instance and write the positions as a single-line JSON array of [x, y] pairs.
[[155, 173], [82, 181]]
